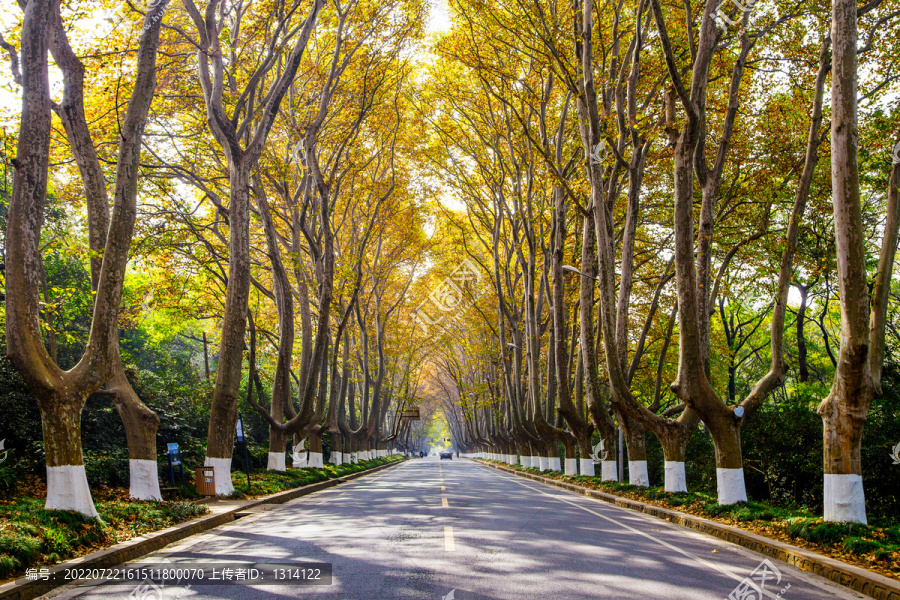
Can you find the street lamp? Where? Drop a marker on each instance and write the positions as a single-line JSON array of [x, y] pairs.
[[571, 269]]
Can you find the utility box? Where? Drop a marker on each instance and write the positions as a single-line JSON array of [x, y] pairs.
[[205, 477]]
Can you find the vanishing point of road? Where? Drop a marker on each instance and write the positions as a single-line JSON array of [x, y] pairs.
[[430, 529]]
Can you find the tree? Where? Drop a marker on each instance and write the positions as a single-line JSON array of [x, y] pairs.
[[858, 376], [241, 137], [61, 394]]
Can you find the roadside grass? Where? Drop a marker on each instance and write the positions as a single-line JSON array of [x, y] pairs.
[[32, 536], [263, 483], [876, 545]]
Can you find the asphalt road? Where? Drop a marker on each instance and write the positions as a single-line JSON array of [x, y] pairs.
[[456, 530]]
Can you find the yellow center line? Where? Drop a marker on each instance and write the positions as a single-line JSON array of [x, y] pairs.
[[444, 503], [449, 543], [443, 488]]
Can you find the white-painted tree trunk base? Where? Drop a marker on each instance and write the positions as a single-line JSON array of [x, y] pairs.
[[553, 463], [382, 454], [222, 472], [845, 499], [354, 458], [609, 471], [571, 467], [587, 467], [675, 479], [335, 458], [144, 479], [315, 460], [543, 463], [276, 462], [67, 489], [730, 483], [637, 473], [511, 459]]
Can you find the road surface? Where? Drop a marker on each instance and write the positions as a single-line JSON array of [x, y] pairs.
[[456, 530]]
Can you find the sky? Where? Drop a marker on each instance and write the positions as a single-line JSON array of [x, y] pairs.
[[439, 17]]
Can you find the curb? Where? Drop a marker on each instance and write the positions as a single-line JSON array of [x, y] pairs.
[[857, 579], [26, 589]]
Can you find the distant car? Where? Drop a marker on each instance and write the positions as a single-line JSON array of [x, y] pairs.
[[446, 455]]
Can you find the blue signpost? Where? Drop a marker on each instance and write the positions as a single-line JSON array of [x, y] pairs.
[[174, 456], [240, 437]]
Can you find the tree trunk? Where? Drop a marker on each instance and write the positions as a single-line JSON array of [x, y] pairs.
[[337, 456], [635, 440], [223, 411], [844, 410], [67, 486], [141, 425], [315, 451]]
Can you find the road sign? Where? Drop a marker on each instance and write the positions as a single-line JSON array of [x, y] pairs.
[[411, 414], [174, 454], [240, 438]]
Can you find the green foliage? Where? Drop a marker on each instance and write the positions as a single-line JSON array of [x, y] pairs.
[[819, 532], [107, 469], [34, 535], [857, 545], [10, 474], [882, 432], [700, 462], [23, 549], [8, 565], [782, 446]]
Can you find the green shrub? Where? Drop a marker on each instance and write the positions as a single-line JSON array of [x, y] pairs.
[[8, 566], [819, 532], [858, 545], [107, 469], [10, 474], [187, 510], [23, 548]]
